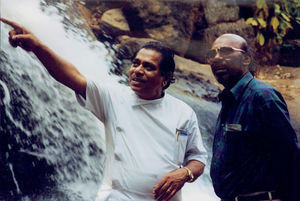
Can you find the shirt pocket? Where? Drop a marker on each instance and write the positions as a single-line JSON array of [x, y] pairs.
[[180, 147], [234, 142]]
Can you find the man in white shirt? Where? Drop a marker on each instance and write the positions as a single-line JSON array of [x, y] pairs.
[[155, 141]]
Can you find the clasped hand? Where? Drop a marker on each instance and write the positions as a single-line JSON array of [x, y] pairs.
[[170, 184]]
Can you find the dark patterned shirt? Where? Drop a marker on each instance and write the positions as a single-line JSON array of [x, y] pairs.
[[254, 141]]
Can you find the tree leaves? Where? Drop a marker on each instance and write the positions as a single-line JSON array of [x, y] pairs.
[[285, 16], [251, 21], [277, 8], [274, 23], [262, 22], [260, 38], [261, 4]]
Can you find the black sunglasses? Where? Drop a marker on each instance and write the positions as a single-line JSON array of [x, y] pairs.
[[223, 51]]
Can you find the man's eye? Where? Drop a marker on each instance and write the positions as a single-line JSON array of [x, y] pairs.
[[135, 63], [226, 50], [149, 66]]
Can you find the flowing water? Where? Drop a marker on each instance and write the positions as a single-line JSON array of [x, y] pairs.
[[50, 147]]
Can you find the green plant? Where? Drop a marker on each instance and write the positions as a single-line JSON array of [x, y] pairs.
[[272, 22]]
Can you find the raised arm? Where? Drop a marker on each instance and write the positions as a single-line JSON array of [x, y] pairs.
[[60, 69]]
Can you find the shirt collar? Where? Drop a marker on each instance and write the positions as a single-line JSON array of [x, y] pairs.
[[239, 87], [237, 90], [136, 101]]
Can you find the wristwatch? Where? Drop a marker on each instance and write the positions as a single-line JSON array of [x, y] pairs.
[[190, 174]]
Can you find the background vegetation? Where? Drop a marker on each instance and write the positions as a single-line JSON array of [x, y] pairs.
[[272, 22]]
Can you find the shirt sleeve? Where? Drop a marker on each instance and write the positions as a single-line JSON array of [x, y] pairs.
[[276, 122], [280, 138], [97, 101], [195, 149]]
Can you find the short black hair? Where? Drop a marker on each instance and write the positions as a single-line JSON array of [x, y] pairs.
[[167, 63]]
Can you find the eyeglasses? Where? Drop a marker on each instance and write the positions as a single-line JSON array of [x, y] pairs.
[[223, 51]]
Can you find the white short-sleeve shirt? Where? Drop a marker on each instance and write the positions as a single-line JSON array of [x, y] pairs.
[[145, 139]]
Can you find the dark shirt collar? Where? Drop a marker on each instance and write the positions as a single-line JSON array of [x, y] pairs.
[[237, 90]]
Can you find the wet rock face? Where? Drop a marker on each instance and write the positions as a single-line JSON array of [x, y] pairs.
[[20, 172]]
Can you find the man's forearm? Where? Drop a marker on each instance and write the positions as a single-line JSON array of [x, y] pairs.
[[196, 168], [60, 69]]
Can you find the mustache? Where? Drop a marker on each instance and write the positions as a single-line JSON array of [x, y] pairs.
[[138, 79], [219, 63], [216, 66]]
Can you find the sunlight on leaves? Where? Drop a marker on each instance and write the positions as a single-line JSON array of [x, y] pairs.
[[274, 23]]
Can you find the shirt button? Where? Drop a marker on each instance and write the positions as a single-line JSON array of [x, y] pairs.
[[119, 129]]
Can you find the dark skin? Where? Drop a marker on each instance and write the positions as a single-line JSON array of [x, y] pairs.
[[144, 75], [229, 69], [145, 80]]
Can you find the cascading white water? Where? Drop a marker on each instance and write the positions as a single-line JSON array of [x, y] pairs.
[[90, 57]]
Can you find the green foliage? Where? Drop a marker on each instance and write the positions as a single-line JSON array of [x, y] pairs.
[[272, 22]]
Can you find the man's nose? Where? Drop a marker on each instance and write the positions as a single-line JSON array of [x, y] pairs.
[[218, 55], [139, 70]]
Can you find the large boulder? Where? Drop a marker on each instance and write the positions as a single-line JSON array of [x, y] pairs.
[[111, 24], [168, 21], [217, 11], [239, 27], [195, 79], [116, 18], [200, 71]]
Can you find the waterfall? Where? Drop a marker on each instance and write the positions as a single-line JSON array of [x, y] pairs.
[[51, 147]]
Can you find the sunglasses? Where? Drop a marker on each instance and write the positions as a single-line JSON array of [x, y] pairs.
[[223, 51]]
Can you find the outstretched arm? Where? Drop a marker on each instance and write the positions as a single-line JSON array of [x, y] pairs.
[[60, 69]]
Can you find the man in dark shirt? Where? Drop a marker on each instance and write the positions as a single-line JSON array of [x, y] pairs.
[[255, 144]]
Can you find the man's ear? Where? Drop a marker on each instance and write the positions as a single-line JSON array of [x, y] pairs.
[[164, 83], [167, 78]]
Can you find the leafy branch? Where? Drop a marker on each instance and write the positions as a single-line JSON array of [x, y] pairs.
[[272, 23]]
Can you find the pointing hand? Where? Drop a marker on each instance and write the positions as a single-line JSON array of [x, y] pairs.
[[20, 36]]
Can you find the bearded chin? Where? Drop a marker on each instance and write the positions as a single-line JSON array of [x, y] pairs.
[[222, 80]]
